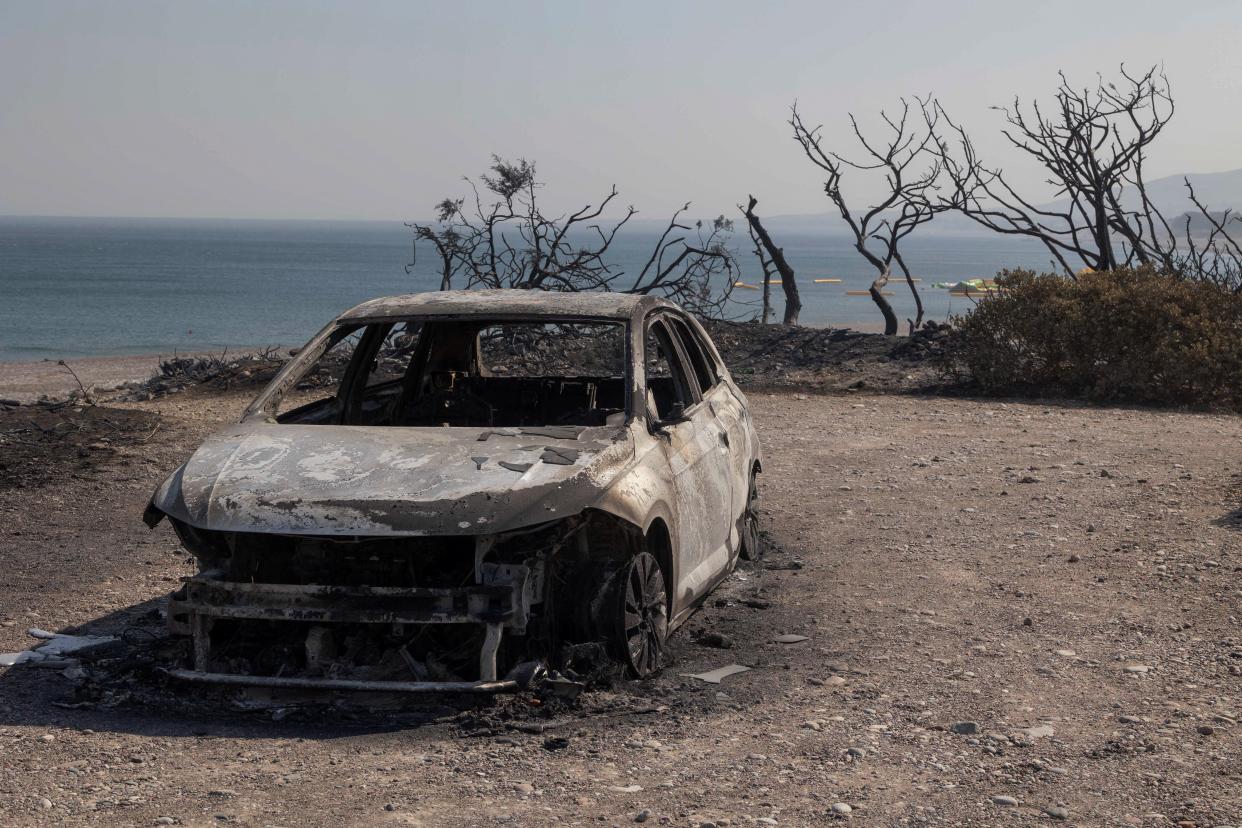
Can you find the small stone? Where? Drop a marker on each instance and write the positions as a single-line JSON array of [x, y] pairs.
[[965, 728], [48, 737], [1005, 801], [857, 752], [524, 788], [716, 640], [45, 803], [1074, 558], [556, 743], [390, 807], [1137, 669], [643, 815], [1066, 653], [1206, 730], [165, 820], [1040, 732], [1129, 719], [812, 725], [841, 809], [766, 821], [1056, 812]]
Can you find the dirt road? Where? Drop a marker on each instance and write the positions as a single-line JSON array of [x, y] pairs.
[[1015, 614]]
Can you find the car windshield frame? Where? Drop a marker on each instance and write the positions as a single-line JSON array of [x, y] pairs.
[[264, 406]]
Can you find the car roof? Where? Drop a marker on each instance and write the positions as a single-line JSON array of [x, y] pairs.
[[484, 303]]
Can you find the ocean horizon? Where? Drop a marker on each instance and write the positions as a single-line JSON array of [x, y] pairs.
[[83, 287]]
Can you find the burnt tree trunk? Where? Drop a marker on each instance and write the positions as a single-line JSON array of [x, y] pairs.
[[877, 296], [793, 303], [914, 291]]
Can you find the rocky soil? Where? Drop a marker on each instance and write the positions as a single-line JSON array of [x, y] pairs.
[[1013, 614]]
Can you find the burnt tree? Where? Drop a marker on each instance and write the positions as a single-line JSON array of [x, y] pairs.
[[771, 256], [1092, 144], [910, 171], [499, 237]]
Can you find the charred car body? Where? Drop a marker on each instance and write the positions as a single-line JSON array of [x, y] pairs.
[[445, 491]]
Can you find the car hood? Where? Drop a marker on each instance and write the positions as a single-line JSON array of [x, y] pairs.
[[355, 480]]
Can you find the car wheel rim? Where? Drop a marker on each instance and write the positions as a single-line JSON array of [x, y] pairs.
[[751, 523], [644, 614]]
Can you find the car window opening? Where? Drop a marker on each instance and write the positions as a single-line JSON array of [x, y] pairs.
[[668, 385], [464, 373]]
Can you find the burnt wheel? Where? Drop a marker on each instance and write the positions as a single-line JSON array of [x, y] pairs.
[[752, 549], [640, 605]]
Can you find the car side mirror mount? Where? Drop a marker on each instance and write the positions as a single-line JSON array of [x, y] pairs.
[[676, 414]]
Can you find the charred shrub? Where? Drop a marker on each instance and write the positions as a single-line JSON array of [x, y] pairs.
[[1130, 335]]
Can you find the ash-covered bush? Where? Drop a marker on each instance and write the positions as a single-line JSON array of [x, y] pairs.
[[1130, 335]]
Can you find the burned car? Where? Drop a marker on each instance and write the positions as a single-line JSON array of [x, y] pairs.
[[457, 490]]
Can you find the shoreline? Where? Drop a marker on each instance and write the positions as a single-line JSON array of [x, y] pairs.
[[26, 382]]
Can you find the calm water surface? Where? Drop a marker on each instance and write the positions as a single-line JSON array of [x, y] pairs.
[[94, 287]]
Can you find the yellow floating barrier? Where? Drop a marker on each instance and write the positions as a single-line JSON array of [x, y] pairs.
[[868, 293], [827, 281]]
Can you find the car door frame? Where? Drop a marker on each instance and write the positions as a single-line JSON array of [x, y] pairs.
[[733, 417], [694, 437]]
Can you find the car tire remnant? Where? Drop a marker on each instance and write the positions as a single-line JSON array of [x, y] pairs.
[[638, 602], [752, 548]]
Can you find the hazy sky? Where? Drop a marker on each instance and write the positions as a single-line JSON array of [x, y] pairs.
[[375, 110]]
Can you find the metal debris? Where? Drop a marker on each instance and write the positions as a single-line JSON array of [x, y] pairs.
[[56, 649], [715, 676]]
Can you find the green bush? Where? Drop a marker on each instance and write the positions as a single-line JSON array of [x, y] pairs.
[[1122, 336]]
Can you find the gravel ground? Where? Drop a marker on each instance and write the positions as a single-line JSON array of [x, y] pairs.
[[1015, 614]]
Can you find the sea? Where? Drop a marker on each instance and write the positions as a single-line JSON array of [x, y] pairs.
[[82, 287]]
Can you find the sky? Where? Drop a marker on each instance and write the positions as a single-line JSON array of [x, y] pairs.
[[375, 110]]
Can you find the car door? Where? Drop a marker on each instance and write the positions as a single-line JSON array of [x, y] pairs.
[[697, 458], [729, 409]]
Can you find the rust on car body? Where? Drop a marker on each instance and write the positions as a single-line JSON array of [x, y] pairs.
[[506, 473]]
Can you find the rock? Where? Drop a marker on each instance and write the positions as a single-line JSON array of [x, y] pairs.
[[812, 725], [1206, 730], [841, 809], [1129, 719], [48, 737], [857, 753], [45, 803], [1029, 479], [720, 642], [766, 821], [1074, 558], [1005, 801], [556, 743], [1137, 669], [1066, 653], [164, 820], [1056, 812], [643, 815], [524, 788], [965, 728], [1039, 732]]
